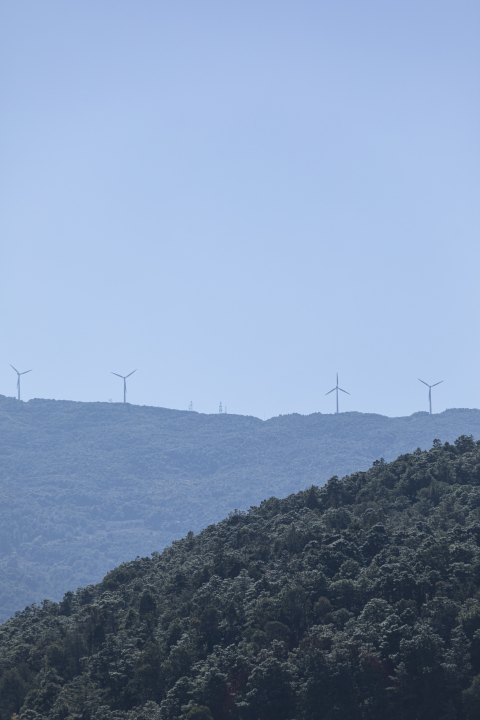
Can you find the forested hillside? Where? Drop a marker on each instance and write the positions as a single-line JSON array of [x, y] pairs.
[[85, 486], [358, 600]]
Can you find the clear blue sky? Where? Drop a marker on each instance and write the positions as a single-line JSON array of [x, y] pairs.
[[241, 199]]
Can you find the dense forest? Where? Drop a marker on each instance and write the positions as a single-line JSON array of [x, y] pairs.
[[85, 486], [356, 600]]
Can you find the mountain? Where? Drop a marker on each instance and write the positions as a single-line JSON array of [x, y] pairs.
[[85, 486], [359, 600]]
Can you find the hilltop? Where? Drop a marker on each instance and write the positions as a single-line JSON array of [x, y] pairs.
[[85, 486], [359, 600]]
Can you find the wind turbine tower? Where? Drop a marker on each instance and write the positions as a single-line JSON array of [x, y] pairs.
[[18, 378], [336, 388], [430, 392], [124, 378]]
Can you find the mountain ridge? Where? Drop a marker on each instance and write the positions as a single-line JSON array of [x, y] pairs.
[[85, 486]]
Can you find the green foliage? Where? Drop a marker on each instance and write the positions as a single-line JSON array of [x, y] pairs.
[[357, 600], [13, 689], [199, 712], [86, 486], [471, 700]]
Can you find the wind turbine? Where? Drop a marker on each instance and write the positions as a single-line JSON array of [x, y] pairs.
[[430, 392], [337, 389], [18, 378], [124, 378]]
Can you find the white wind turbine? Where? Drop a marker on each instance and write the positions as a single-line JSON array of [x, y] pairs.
[[337, 389], [124, 378], [18, 378], [430, 392]]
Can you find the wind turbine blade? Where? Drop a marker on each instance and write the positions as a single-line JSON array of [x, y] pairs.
[[117, 375], [344, 391], [424, 383], [437, 383], [15, 370], [328, 393], [130, 373], [25, 372]]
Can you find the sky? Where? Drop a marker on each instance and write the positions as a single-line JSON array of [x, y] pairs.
[[239, 200]]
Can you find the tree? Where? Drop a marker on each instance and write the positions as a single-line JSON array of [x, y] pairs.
[[199, 712]]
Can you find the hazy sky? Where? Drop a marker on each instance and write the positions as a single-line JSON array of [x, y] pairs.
[[241, 199]]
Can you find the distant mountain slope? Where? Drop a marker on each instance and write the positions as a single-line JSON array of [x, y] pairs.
[[356, 601], [85, 486]]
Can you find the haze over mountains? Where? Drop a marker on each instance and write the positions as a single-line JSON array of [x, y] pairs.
[[86, 486], [355, 601]]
